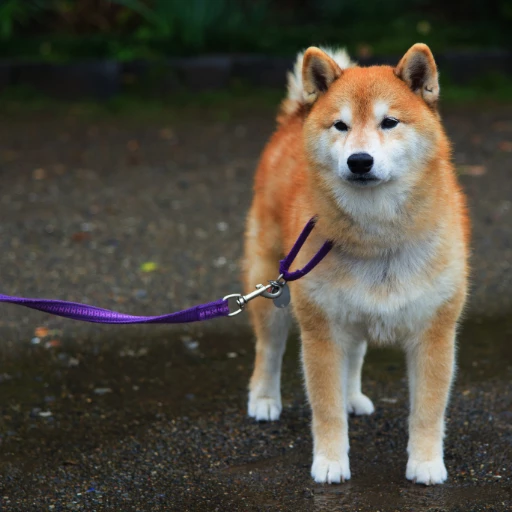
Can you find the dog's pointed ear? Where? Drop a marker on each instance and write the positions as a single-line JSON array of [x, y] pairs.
[[318, 72], [419, 71]]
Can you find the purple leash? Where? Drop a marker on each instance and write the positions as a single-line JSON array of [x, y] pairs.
[[217, 309], [284, 265], [86, 313]]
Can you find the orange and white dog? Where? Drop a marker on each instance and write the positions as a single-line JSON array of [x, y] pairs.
[[364, 150]]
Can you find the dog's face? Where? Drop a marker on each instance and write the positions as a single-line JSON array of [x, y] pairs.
[[371, 128]]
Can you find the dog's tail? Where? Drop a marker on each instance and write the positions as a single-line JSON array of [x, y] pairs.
[[295, 98]]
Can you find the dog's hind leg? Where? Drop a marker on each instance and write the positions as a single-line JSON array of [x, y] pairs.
[[357, 403], [270, 324]]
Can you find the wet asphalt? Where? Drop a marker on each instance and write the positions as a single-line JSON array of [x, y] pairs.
[[144, 214]]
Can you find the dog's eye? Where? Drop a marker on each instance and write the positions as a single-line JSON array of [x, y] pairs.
[[389, 122], [340, 126]]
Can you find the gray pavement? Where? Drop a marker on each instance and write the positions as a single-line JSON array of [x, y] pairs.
[[145, 214]]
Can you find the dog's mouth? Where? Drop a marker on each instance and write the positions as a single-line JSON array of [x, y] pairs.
[[364, 181]]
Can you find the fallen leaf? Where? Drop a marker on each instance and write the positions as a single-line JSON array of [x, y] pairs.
[[80, 236], [133, 159], [166, 134], [502, 126], [52, 344], [60, 169], [9, 155], [133, 145], [505, 145], [472, 170], [70, 463], [39, 174], [41, 332], [149, 266]]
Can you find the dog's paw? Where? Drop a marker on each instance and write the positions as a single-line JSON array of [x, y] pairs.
[[360, 404], [427, 472], [330, 471], [264, 408]]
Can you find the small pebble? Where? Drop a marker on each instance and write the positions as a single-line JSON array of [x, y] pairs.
[[141, 294], [220, 262], [190, 343], [35, 412], [102, 391], [73, 361]]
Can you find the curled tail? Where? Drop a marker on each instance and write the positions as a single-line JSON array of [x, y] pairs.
[[294, 100]]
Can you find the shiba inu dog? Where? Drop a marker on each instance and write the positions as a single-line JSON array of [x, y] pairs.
[[364, 150]]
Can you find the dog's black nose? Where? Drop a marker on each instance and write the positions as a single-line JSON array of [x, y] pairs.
[[359, 163]]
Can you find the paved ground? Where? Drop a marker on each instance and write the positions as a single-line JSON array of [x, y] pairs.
[[153, 418]]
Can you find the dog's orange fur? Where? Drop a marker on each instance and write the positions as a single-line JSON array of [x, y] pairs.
[[291, 187]]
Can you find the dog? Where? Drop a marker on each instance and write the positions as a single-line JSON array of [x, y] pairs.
[[364, 150]]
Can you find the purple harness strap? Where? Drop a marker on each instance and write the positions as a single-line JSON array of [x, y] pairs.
[[285, 264], [219, 308]]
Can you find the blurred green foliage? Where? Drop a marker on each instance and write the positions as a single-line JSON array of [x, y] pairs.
[[191, 22], [59, 30], [16, 13]]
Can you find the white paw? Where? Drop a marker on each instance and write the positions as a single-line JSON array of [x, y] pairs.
[[264, 408], [360, 404], [428, 472], [330, 471]]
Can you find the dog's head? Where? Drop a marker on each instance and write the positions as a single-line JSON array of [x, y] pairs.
[[371, 130]]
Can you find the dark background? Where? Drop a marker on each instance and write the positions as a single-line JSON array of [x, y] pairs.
[[59, 30]]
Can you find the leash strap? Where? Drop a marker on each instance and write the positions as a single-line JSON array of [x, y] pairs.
[[86, 313], [217, 309], [285, 264]]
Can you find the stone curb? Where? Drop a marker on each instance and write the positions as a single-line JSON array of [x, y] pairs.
[[103, 79]]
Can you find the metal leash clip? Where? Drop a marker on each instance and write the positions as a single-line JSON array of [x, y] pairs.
[[273, 290]]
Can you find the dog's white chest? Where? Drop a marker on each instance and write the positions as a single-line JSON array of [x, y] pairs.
[[384, 299]]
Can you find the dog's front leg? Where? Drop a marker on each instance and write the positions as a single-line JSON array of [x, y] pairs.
[[430, 362], [323, 358]]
